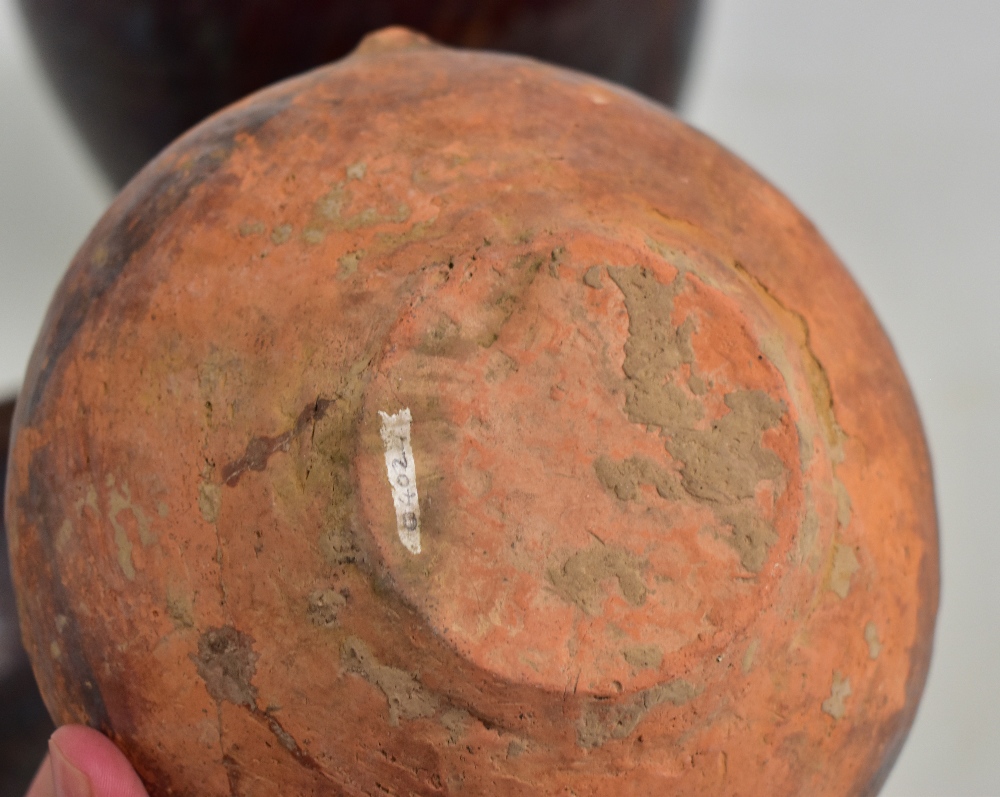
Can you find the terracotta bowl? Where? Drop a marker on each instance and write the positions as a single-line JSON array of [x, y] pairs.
[[446, 423]]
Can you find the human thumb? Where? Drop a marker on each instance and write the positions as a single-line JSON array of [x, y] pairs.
[[84, 763]]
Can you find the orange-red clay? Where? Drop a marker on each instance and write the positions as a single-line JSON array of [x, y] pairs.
[[442, 423]]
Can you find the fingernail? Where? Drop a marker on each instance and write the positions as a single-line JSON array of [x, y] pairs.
[[69, 781]]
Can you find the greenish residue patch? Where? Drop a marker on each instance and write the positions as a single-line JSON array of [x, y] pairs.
[[843, 504], [64, 535], [330, 211], [349, 263], [179, 609], [119, 502], [356, 171], [835, 704], [281, 234], [871, 637], [124, 546], [809, 552], [749, 655], [845, 565], [248, 229]]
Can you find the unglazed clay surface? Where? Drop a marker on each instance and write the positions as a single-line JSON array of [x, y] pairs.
[[443, 423]]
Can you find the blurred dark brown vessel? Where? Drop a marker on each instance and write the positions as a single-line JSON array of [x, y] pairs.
[[24, 723], [135, 74]]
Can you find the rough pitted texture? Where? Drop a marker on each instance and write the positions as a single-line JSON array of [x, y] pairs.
[[674, 511]]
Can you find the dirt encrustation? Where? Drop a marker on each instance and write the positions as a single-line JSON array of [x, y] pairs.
[[720, 465], [406, 696], [625, 478], [604, 720], [582, 577], [226, 662]]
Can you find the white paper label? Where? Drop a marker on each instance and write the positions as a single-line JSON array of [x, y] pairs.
[[402, 474]]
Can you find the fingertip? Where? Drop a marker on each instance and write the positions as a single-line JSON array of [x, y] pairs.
[[68, 780], [85, 763]]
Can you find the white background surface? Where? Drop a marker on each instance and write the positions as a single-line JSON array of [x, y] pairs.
[[881, 120]]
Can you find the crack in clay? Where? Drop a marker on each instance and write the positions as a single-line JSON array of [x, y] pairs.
[[227, 663], [287, 741], [602, 720], [260, 449], [816, 375], [818, 386], [233, 774], [219, 559]]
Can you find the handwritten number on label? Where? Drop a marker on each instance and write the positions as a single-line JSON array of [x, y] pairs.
[[402, 476]]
